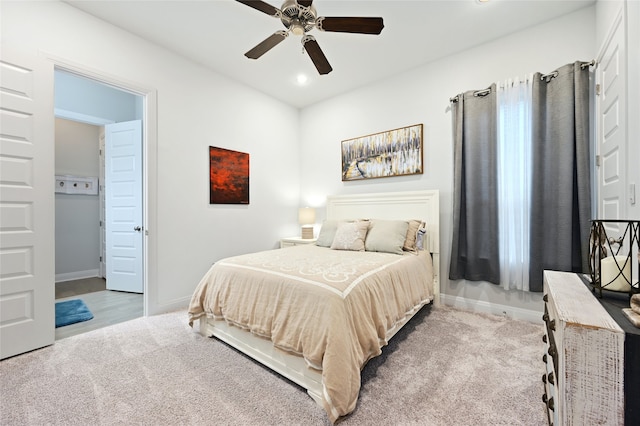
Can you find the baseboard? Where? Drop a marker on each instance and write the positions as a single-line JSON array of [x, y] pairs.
[[78, 275], [161, 308], [480, 306]]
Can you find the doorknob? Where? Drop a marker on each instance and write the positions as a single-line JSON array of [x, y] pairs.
[[137, 228]]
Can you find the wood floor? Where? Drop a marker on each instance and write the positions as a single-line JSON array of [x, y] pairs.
[[108, 307]]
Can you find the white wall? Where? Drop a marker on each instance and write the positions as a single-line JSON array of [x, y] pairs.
[[77, 230], [195, 109], [422, 96], [75, 94]]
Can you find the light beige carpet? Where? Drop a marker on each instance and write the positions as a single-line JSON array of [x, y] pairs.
[[446, 367]]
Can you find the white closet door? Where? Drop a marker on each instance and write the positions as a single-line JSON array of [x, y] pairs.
[[123, 198], [27, 179], [612, 126]]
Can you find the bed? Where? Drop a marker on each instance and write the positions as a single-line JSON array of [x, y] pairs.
[[316, 313]]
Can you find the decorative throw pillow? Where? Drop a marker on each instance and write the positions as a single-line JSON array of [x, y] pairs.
[[412, 232], [350, 236], [386, 236], [420, 238], [327, 232]]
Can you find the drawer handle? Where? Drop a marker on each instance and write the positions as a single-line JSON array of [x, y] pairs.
[[551, 378], [544, 398], [544, 338], [545, 297], [545, 317], [544, 358], [544, 378], [552, 350], [552, 325], [550, 404]]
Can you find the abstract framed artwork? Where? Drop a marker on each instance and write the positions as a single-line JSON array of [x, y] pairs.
[[228, 176], [396, 152]]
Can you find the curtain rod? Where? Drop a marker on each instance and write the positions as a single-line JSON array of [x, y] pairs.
[[547, 77]]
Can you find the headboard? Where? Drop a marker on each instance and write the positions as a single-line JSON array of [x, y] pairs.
[[423, 205]]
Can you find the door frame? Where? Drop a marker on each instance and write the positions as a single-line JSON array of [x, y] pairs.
[[149, 166]]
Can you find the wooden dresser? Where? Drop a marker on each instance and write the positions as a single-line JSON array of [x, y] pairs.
[[584, 355]]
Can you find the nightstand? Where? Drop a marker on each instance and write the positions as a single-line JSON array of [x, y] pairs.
[[295, 241]]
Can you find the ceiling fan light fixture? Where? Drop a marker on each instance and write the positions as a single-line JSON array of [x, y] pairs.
[[296, 27], [299, 17]]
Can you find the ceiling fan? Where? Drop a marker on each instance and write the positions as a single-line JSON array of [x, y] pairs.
[[300, 17]]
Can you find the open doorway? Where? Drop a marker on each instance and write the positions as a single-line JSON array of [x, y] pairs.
[[86, 110]]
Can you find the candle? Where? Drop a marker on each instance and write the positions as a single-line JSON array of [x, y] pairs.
[[611, 278]]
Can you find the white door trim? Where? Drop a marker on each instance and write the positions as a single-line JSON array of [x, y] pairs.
[[150, 161], [83, 118]]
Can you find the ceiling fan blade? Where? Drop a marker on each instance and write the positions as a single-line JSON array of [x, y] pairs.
[[261, 6], [315, 53], [351, 25], [305, 3], [266, 45]]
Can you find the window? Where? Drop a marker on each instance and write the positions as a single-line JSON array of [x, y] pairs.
[[514, 181]]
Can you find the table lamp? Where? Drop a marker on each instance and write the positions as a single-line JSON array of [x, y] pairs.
[[307, 218]]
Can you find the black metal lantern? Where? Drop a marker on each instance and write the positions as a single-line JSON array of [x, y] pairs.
[[611, 260]]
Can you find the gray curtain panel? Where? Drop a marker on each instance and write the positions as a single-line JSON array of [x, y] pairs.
[[561, 191], [561, 188], [474, 250]]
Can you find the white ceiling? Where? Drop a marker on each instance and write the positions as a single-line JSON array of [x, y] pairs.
[[217, 33]]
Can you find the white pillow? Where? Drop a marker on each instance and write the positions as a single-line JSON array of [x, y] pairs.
[[350, 236], [327, 233], [386, 236]]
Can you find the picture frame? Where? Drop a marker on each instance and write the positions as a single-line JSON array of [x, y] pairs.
[[396, 152], [228, 176]]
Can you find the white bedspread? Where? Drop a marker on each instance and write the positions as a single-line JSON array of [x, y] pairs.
[[334, 308]]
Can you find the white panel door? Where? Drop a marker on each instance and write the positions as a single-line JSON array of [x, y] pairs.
[[27, 249], [612, 134], [123, 199]]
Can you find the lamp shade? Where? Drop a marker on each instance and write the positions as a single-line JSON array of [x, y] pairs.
[[307, 216]]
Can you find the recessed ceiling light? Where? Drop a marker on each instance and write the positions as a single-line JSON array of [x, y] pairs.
[[302, 79]]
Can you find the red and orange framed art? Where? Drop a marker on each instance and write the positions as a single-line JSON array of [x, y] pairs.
[[228, 176]]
